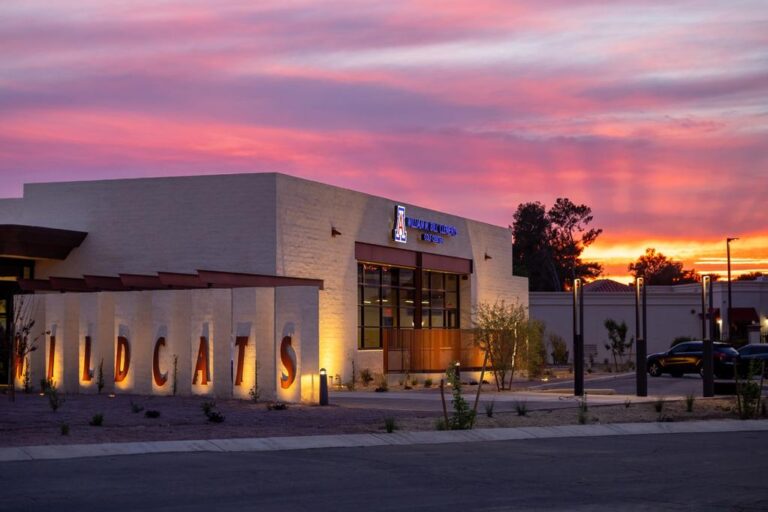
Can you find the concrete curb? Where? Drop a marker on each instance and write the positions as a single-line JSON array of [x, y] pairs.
[[268, 444]]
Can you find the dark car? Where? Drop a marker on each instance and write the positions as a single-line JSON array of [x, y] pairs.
[[752, 357], [687, 358]]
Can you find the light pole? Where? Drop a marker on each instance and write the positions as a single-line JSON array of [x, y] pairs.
[[730, 304], [578, 338], [640, 338], [706, 364]]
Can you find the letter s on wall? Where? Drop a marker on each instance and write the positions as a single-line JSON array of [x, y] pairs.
[[288, 358]]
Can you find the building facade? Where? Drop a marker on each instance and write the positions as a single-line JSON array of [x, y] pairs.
[[395, 283]]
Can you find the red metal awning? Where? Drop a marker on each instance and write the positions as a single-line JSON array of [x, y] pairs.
[[743, 316]]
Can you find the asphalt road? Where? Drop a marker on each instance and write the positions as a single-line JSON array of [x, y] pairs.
[[701, 472]]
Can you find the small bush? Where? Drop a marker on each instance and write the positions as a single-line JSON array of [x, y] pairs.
[[689, 400], [97, 420], [440, 424], [383, 385], [208, 407], [521, 408], [627, 403], [427, 383], [55, 400], [136, 408], [366, 377], [390, 425], [276, 406], [215, 417], [582, 417], [152, 414], [64, 429], [489, 409], [658, 405]]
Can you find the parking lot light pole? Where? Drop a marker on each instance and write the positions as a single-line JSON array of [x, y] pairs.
[[707, 312], [640, 338], [730, 303], [578, 338]]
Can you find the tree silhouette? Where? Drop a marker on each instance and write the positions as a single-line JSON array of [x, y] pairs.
[[548, 244], [657, 269]]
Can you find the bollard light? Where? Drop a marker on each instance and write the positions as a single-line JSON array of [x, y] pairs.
[[457, 368], [323, 387]]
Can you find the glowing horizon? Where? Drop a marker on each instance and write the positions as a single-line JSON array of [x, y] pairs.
[[652, 113]]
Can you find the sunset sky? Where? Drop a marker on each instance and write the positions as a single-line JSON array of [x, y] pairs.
[[655, 114]]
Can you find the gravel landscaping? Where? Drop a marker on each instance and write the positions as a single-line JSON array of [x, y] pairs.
[[30, 420]]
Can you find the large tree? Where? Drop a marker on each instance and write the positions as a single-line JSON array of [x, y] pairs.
[[658, 269], [548, 244]]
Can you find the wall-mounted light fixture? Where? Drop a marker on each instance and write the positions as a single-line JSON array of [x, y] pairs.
[[335, 232], [488, 257]]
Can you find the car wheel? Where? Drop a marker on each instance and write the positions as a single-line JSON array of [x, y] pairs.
[[654, 370]]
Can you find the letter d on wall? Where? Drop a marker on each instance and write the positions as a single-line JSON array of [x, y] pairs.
[[122, 359]]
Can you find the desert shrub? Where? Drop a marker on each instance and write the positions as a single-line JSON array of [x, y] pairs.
[[150, 413], [627, 403], [689, 400], [383, 386], [427, 383], [559, 349], [209, 409], [462, 416], [277, 406], [136, 408], [658, 404], [366, 377], [390, 425], [55, 400], [489, 409], [97, 420], [64, 428], [521, 408]]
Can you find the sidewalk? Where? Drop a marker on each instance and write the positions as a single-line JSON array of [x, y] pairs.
[[267, 444]]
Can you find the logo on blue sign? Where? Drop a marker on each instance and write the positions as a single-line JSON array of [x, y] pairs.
[[399, 234], [432, 232]]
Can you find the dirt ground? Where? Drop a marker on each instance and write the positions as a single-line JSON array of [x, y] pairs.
[[30, 421]]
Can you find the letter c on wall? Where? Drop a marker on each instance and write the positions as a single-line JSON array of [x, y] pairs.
[[288, 358], [160, 378]]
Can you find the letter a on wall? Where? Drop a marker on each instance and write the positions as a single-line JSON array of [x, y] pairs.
[[122, 359], [202, 365], [288, 358]]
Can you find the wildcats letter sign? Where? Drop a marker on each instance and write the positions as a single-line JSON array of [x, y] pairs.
[[399, 234]]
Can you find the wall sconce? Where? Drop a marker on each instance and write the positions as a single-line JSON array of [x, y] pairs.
[[488, 257], [335, 232]]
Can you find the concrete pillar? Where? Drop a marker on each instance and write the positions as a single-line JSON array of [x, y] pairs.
[[297, 343], [222, 343]]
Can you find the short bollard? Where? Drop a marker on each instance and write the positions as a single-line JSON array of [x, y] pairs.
[[458, 371], [323, 387]]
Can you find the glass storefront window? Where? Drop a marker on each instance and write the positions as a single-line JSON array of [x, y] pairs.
[[388, 299]]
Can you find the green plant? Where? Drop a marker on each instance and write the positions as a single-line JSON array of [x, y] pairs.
[[353, 379], [658, 405], [100, 377], [175, 373], [462, 416], [215, 417], [208, 407], [427, 383], [64, 429], [97, 420], [489, 409], [617, 341], [689, 400], [583, 415], [440, 424], [749, 393], [366, 377], [255, 392], [55, 400], [390, 425], [559, 349], [510, 339], [383, 386], [521, 408], [627, 403], [136, 408], [151, 413], [276, 406]]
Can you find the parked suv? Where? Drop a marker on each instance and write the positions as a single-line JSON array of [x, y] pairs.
[[687, 358]]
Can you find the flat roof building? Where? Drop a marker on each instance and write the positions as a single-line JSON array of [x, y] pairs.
[[394, 283]]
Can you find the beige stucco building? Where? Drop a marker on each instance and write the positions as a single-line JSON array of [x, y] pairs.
[[387, 275]]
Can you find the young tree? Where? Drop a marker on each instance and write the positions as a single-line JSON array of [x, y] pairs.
[[510, 340], [657, 269], [21, 336], [618, 344], [548, 244]]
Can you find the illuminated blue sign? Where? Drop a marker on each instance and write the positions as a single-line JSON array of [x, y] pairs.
[[432, 232]]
